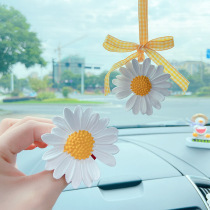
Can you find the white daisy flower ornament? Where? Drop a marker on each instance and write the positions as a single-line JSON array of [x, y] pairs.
[[147, 85], [208, 199], [78, 140]]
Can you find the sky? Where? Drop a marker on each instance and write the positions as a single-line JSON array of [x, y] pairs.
[[80, 26]]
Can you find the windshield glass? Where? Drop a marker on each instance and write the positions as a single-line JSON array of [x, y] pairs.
[[52, 56]]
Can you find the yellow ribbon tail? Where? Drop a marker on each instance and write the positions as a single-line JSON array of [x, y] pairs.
[[113, 44], [114, 67], [180, 80]]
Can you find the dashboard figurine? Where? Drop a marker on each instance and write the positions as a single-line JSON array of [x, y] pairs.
[[200, 139]]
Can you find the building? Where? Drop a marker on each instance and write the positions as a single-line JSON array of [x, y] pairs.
[[75, 64], [192, 67]]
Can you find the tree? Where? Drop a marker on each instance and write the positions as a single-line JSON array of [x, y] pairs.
[[38, 84], [70, 79], [17, 42]]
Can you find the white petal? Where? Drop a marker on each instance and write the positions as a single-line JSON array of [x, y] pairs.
[[85, 174], [69, 117], [101, 125], [123, 78], [155, 103], [159, 71], [111, 149], [126, 73], [161, 78], [106, 131], [93, 169], [136, 66], [49, 138], [55, 162], [151, 71], [61, 169], [136, 107], [131, 101], [121, 83], [116, 90], [70, 170], [129, 67], [54, 152], [60, 132], [149, 106], [146, 65], [163, 91], [158, 96], [77, 117], [77, 176], [109, 139], [123, 94], [208, 196], [92, 122], [105, 158], [162, 85], [143, 105], [85, 118], [61, 123]]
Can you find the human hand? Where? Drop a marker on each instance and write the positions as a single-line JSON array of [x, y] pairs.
[[18, 191]]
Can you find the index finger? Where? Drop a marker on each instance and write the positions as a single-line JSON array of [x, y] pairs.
[[20, 137]]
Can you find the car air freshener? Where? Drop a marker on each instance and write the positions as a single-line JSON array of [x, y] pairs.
[[79, 139], [140, 85], [200, 138]]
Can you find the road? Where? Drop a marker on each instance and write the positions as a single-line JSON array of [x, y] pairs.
[[174, 110]]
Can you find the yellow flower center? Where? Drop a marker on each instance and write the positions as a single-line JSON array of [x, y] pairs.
[[141, 85], [79, 144]]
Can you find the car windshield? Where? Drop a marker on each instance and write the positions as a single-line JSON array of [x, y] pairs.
[[52, 56]]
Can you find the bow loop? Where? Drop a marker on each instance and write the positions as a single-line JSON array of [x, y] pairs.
[[113, 44], [161, 43]]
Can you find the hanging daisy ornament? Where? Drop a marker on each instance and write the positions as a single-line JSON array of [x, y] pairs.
[[147, 86], [78, 140]]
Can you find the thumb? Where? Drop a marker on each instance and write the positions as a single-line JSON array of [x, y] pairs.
[[47, 187]]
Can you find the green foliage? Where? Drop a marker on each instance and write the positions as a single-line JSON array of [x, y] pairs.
[[66, 90], [195, 83], [97, 91], [5, 81], [19, 84], [15, 93], [204, 91], [39, 84], [70, 79], [74, 80], [17, 42], [45, 95]]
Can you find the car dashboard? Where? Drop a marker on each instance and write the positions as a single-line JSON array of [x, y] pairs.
[[154, 170]]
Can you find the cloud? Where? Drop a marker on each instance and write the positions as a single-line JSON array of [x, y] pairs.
[[62, 21]]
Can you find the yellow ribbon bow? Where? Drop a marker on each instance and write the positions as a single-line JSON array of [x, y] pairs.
[[149, 47]]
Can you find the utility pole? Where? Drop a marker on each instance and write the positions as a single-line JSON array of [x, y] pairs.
[[201, 68], [82, 79], [12, 82], [53, 72]]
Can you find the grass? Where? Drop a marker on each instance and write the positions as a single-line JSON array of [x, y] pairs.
[[56, 101]]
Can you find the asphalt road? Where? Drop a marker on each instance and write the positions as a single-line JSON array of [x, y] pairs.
[[174, 110]]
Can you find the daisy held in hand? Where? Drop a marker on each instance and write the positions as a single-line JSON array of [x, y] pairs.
[[147, 85], [79, 139]]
